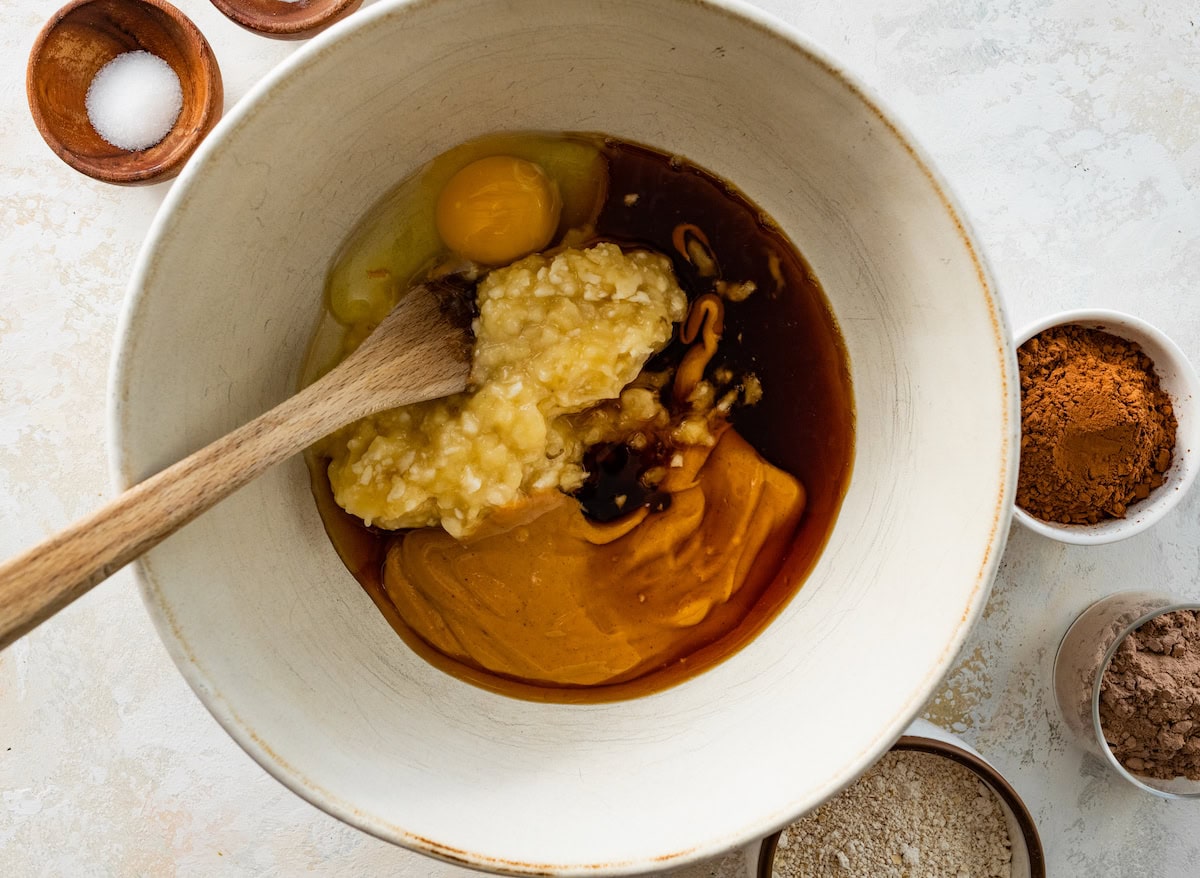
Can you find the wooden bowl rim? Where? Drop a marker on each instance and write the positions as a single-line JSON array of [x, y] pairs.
[[984, 770], [323, 13], [105, 170]]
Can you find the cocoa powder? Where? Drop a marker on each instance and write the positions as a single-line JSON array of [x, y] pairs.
[[1097, 429], [1150, 698]]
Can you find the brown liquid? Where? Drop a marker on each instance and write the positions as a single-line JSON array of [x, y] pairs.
[[784, 334]]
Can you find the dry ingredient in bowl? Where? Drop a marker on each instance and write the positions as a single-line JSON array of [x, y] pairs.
[[134, 100], [911, 815], [1150, 698], [1097, 429]]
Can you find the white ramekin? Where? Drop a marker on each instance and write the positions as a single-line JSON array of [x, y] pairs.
[[1178, 379]]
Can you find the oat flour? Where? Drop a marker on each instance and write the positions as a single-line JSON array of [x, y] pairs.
[[912, 815]]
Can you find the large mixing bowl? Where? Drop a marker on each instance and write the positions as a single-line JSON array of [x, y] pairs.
[[286, 649]]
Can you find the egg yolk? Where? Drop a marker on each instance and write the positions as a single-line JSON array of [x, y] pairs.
[[498, 209]]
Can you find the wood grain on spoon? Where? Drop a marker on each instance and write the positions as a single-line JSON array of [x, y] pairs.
[[421, 351]]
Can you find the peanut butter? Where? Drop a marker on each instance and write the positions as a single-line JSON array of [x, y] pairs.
[[564, 601]]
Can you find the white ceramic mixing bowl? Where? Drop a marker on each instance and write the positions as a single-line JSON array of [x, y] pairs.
[[286, 649]]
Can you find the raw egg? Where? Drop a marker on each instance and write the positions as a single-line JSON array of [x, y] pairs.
[[498, 209]]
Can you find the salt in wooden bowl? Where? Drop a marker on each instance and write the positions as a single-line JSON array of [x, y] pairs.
[[77, 42]]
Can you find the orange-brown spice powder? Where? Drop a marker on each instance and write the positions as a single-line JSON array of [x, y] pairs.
[[1097, 429]]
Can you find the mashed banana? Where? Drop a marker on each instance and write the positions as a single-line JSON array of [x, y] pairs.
[[555, 336]]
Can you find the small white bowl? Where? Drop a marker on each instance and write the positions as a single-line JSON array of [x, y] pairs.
[[1178, 379], [1081, 662]]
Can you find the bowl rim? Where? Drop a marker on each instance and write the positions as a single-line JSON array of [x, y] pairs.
[[976, 764], [103, 169], [1152, 510], [294, 779]]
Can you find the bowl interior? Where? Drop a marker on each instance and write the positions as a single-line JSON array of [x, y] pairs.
[[81, 39], [1178, 379], [290, 654]]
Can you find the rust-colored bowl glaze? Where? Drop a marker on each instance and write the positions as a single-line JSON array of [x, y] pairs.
[[85, 35], [283, 20]]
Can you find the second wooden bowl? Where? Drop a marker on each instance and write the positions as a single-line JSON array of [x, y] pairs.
[[286, 20]]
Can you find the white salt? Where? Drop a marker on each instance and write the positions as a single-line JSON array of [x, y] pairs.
[[134, 100]]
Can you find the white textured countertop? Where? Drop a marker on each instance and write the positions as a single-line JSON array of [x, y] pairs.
[[1070, 129]]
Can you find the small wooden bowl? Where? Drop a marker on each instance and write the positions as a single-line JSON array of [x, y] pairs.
[[85, 35], [283, 20]]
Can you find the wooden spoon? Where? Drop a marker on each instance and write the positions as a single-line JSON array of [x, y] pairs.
[[421, 351]]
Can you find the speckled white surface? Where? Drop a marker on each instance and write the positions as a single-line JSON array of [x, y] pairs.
[[1069, 129]]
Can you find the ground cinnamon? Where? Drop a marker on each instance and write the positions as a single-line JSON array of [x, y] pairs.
[[1097, 429]]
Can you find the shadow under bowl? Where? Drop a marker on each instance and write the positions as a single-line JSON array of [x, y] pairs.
[[71, 49]]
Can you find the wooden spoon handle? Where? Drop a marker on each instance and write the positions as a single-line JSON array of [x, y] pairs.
[[37, 584], [43, 580], [415, 354]]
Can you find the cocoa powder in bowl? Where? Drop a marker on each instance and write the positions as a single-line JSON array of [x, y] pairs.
[[1097, 429], [1150, 698]]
